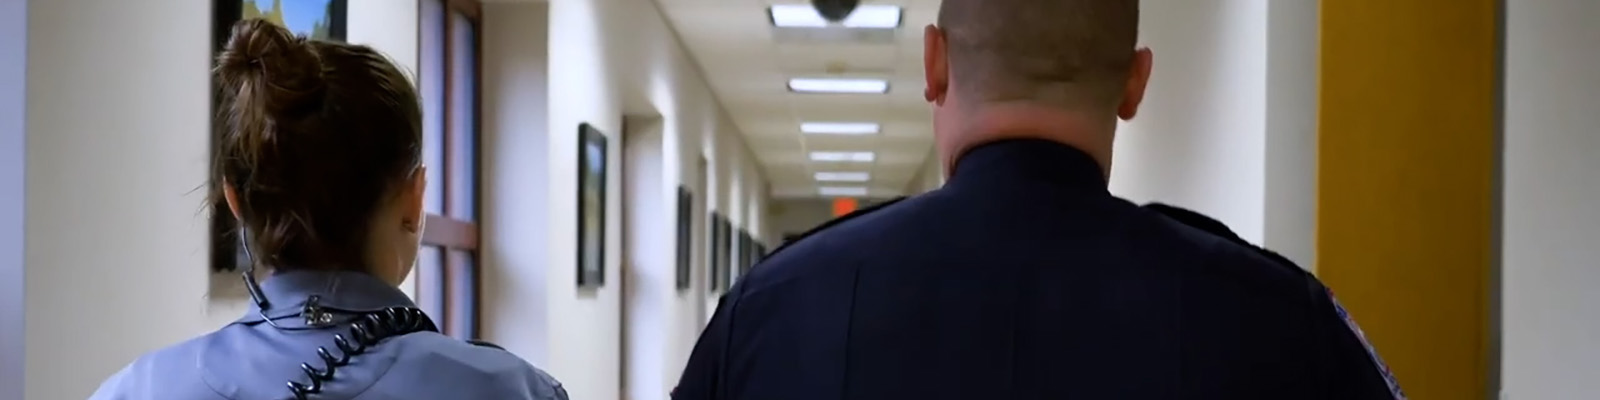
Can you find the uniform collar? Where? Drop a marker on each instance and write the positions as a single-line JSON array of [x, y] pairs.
[[1029, 159], [287, 293]]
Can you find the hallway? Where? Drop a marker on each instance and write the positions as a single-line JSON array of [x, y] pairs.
[[600, 171]]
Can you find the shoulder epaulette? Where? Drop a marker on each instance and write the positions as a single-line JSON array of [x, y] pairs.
[[833, 222], [485, 344], [1211, 225]]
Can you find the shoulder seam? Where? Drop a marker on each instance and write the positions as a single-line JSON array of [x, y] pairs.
[[1220, 231]]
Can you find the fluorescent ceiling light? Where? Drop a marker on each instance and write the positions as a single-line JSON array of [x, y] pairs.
[[842, 191], [831, 85], [843, 176], [879, 16], [843, 156], [840, 128]]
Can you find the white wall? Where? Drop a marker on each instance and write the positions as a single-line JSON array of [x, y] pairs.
[[603, 72], [1199, 139], [118, 138], [649, 262], [13, 153], [515, 174], [1551, 330], [1228, 125], [1291, 131]]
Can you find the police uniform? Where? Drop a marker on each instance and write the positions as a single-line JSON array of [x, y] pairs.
[[1023, 278], [260, 355]]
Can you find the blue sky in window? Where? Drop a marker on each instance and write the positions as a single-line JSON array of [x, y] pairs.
[[299, 15]]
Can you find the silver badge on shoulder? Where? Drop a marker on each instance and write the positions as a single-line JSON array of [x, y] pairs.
[[1388, 378]]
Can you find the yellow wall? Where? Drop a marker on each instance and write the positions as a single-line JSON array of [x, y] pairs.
[[1406, 161]]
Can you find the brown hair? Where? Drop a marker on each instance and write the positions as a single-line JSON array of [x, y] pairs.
[[313, 137], [1057, 51]]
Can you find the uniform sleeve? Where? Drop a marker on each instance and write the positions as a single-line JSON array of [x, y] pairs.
[[702, 376], [1351, 369]]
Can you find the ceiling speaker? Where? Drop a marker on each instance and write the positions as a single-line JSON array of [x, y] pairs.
[[835, 10]]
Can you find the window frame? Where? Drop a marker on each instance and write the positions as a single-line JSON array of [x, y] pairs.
[[459, 286]]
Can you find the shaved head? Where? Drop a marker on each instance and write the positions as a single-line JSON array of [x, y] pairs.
[[1060, 52], [1059, 70]]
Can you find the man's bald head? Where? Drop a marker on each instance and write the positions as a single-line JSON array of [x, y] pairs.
[[1076, 53]]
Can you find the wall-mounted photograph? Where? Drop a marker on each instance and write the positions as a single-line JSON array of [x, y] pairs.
[[715, 251], [725, 267], [316, 19], [591, 206], [685, 250]]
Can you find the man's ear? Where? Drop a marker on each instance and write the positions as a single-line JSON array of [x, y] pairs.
[[1138, 80], [232, 198], [935, 65]]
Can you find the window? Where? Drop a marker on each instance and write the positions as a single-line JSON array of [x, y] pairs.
[[447, 266]]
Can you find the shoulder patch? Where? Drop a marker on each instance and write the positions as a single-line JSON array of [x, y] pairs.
[[832, 222], [1211, 225], [1383, 369]]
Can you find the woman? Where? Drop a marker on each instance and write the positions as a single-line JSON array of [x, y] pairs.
[[321, 162]]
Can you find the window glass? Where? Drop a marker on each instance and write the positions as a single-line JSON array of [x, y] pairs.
[[431, 282], [463, 298], [430, 81], [463, 118]]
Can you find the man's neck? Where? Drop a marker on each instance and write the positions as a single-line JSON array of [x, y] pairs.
[[992, 123]]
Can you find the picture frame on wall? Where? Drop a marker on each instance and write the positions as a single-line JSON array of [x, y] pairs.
[[592, 163], [314, 19], [685, 243], [714, 257], [317, 19], [725, 267], [746, 247]]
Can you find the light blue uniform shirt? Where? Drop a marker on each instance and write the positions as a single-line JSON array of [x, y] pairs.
[[250, 359]]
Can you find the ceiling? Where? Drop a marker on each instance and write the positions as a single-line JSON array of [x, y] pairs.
[[748, 63]]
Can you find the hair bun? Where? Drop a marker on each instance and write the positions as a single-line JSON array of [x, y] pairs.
[[269, 66]]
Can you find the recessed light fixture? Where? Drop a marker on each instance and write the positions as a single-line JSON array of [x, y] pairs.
[[843, 156], [842, 191], [838, 85], [843, 177], [879, 16], [840, 128]]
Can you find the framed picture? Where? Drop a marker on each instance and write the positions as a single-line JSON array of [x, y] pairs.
[[715, 251], [725, 275], [591, 206], [315, 19], [318, 19], [685, 237]]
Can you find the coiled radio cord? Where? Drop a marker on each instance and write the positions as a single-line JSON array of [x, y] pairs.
[[365, 332]]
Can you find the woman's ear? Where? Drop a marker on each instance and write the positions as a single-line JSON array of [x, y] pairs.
[[232, 198], [412, 198]]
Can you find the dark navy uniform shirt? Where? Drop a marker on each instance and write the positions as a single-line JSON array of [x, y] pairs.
[[1023, 278], [252, 360]]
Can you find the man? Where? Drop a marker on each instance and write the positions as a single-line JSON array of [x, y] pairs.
[[1023, 278]]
